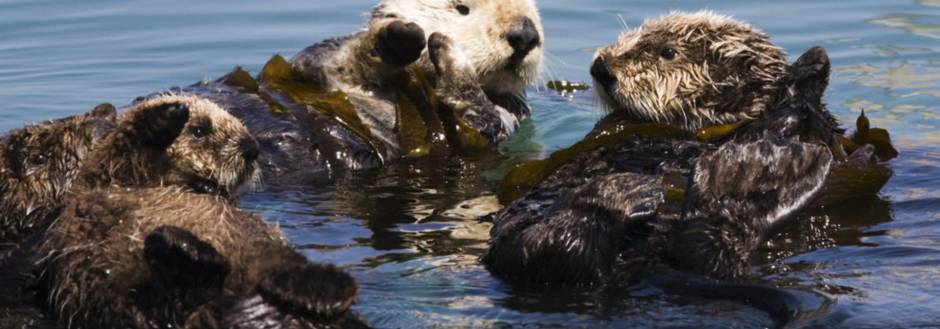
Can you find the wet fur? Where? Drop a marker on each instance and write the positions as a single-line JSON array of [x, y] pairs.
[[39, 164], [173, 140], [725, 71], [485, 62], [604, 218], [158, 257]]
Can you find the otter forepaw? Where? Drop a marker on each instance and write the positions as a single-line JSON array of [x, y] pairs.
[[321, 290], [446, 59], [400, 43], [178, 259]]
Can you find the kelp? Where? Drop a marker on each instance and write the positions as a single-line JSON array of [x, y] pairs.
[[525, 175], [850, 180], [877, 137], [716, 133], [419, 121], [280, 76], [418, 91], [241, 79], [564, 87], [846, 180]]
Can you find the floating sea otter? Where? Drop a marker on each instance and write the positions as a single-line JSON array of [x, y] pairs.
[[643, 196], [145, 235], [166, 258], [377, 96]]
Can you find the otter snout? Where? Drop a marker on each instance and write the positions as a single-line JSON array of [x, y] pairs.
[[602, 75], [523, 37]]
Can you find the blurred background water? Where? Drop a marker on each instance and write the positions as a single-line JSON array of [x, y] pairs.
[[409, 237]]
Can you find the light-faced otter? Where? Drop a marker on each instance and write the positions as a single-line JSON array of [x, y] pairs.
[[660, 203], [500, 43], [375, 97], [165, 258], [39, 164], [689, 70]]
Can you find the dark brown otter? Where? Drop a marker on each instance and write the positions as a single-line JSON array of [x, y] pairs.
[[173, 140], [38, 164], [612, 216], [168, 258]]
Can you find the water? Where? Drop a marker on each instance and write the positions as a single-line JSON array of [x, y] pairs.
[[879, 258]]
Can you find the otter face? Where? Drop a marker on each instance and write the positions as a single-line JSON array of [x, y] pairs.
[[214, 151], [501, 39], [689, 70], [38, 163], [175, 140]]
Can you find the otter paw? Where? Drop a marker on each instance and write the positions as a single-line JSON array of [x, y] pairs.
[[314, 289], [400, 43], [439, 50], [179, 260]]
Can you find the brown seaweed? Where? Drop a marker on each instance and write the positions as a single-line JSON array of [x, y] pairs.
[[280, 76]]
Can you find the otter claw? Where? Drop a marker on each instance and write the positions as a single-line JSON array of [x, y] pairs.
[[400, 43]]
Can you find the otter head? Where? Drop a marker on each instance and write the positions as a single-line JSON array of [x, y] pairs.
[[39, 162], [178, 141], [501, 39], [689, 70]]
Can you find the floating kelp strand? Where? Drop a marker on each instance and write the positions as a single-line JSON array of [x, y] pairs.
[[278, 74], [608, 133], [716, 133], [418, 116], [241, 79]]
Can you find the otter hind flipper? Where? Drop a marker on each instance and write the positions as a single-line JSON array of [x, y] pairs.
[[314, 289], [739, 194]]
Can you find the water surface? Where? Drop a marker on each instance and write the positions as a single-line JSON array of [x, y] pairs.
[[408, 236]]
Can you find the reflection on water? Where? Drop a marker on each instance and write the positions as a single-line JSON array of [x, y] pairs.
[[409, 235]]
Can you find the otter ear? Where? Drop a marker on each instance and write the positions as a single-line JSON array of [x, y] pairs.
[[313, 289], [158, 126], [810, 73], [103, 111], [182, 265]]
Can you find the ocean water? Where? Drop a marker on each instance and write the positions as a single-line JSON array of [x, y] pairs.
[[409, 238]]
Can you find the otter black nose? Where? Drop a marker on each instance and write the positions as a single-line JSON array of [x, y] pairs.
[[523, 37], [602, 74], [249, 148]]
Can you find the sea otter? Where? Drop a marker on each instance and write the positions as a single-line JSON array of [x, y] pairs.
[[169, 140], [174, 140], [39, 164], [168, 258], [376, 97], [689, 70], [643, 198]]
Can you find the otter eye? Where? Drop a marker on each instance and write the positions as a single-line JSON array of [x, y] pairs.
[[463, 10], [201, 132], [38, 160], [668, 54]]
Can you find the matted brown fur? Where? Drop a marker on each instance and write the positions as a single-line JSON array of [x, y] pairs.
[[167, 258], [174, 140], [691, 70], [38, 164]]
